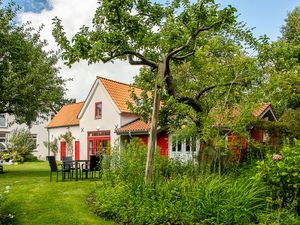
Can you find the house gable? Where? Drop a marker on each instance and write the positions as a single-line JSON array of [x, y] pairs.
[[97, 84]]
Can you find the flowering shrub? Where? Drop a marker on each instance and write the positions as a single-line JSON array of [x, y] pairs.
[[281, 172], [5, 216], [276, 157]]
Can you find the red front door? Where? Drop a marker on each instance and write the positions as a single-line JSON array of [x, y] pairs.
[[98, 142], [77, 150], [63, 152]]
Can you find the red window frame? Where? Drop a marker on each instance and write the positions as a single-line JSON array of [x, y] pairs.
[[98, 110]]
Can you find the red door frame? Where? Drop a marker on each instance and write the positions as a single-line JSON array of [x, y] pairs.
[[77, 150], [96, 137], [63, 152]]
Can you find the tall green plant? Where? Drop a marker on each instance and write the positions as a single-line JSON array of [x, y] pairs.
[[52, 145], [68, 138]]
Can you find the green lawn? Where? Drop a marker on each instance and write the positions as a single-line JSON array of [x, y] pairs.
[[34, 200]]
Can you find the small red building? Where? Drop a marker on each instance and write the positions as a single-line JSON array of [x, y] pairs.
[[190, 147]]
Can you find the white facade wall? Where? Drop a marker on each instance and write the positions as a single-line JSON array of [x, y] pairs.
[[127, 118], [57, 131], [109, 121], [37, 128]]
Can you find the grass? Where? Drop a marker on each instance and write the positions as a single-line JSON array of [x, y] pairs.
[[34, 200]]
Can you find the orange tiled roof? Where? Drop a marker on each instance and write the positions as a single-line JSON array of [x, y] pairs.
[[232, 113], [261, 109], [135, 126], [67, 116], [119, 92]]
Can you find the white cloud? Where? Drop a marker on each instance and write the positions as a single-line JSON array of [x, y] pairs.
[[74, 14]]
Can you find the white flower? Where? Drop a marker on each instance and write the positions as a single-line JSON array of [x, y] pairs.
[[7, 188]]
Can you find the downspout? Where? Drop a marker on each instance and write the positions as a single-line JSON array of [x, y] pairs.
[[48, 146]]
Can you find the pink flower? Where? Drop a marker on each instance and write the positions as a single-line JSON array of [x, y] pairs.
[[276, 157]]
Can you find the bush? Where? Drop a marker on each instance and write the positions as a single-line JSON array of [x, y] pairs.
[[213, 200], [177, 196], [21, 145], [281, 172]]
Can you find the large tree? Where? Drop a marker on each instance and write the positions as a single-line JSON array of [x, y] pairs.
[[29, 81], [220, 76], [147, 34]]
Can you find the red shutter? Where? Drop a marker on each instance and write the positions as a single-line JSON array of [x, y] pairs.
[[62, 150], [77, 150]]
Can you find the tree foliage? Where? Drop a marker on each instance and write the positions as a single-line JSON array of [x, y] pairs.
[[29, 82], [281, 63], [145, 33]]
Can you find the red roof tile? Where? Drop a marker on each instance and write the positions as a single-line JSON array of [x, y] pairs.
[[120, 93], [67, 116], [261, 109], [134, 126]]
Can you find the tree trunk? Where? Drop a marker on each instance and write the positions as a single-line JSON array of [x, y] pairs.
[[154, 121]]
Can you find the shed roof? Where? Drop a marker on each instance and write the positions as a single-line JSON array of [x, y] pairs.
[[134, 126]]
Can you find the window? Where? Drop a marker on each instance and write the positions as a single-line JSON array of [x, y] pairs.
[[176, 145], [2, 137], [187, 145], [3, 120], [98, 110], [34, 138], [52, 114], [179, 146]]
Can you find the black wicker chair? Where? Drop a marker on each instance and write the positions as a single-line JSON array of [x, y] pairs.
[[94, 165], [54, 168]]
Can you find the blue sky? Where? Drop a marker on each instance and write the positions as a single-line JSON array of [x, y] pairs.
[[267, 16]]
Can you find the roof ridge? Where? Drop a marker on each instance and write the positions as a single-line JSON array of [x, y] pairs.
[[73, 103], [119, 82]]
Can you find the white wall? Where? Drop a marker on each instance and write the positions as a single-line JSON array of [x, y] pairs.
[[127, 118], [110, 117], [57, 131]]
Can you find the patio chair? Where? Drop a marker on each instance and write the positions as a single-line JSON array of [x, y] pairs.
[[94, 165], [68, 163], [54, 168]]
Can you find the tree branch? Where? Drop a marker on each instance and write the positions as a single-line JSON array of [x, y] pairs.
[[192, 38], [214, 86], [191, 102], [182, 57], [142, 61]]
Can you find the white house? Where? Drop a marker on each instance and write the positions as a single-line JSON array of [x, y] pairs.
[[37, 130], [93, 122]]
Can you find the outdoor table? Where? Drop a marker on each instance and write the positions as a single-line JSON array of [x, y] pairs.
[[76, 165]]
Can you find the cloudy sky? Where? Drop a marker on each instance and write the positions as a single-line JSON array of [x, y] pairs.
[[267, 16]]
